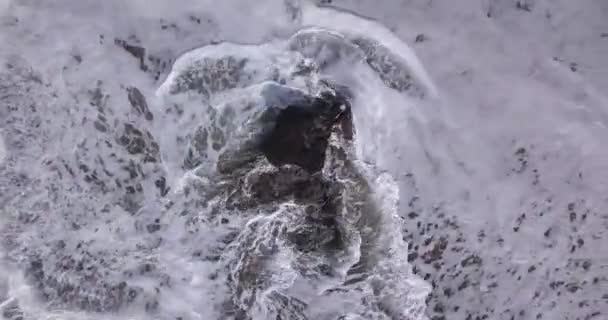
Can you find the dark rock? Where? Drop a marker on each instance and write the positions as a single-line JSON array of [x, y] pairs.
[[420, 38], [412, 256], [587, 265], [313, 237], [464, 285], [12, 311], [138, 102], [138, 142], [471, 260], [197, 152], [211, 75], [301, 132], [437, 252], [136, 51], [388, 67], [153, 227], [572, 287], [522, 5], [146, 268], [580, 242], [99, 126], [232, 160], [70, 283], [161, 184]]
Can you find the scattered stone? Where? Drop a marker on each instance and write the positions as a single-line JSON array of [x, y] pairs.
[[161, 184], [522, 5], [138, 102], [471, 260], [420, 38], [77, 57], [154, 227], [437, 252], [198, 149], [587, 265], [99, 126], [136, 51]]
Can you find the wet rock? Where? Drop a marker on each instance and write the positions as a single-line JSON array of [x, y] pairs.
[[436, 252], [524, 6], [197, 151], [138, 142], [136, 51], [138, 102], [292, 167], [232, 160], [211, 75], [388, 67], [316, 236], [161, 184], [77, 283], [301, 132], [154, 227], [100, 126], [286, 307], [471, 260], [10, 310]]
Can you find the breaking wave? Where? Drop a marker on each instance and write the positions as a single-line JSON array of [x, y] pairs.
[[256, 193]]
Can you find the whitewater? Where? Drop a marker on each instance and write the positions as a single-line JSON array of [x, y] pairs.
[[297, 160]]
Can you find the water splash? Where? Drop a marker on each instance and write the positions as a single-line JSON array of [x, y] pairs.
[[155, 218]]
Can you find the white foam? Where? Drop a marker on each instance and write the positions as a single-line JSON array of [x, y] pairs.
[[257, 57], [341, 21], [3, 152], [373, 106]]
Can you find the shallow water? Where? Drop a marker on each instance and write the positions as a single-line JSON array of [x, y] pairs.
[[478, 193]]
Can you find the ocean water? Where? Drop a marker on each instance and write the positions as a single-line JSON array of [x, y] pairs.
[[466, 178], [162, 210]]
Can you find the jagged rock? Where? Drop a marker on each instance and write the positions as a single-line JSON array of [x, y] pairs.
[[284, 166], [301, 132], [138, 142], [211, 75], [136, 51]]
